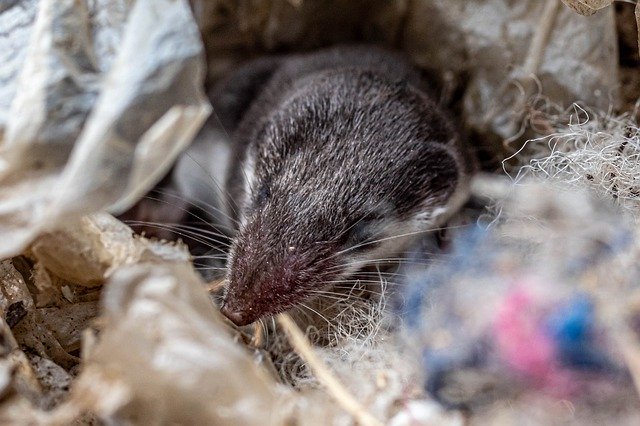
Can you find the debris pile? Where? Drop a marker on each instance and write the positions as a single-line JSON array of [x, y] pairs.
[[528, 312]]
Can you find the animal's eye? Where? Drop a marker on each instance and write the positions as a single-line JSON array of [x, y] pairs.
[[362, 234], [263, 194]]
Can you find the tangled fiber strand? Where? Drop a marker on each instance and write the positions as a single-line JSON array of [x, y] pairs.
[[587, 149], [345, 328]]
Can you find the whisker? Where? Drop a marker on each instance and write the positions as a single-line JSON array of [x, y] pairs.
[[200, 206], [185, 234], [328, 292], [394, 261], [217, 184], [345, 287], [228, 135], [222, 256], [333, 297], [187, 211], [407, 234], [246, 178], [192, 233], [203, 267], [352, 282], [204, 233]]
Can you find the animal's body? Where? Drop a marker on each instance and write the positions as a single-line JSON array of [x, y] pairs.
[[338, 158]]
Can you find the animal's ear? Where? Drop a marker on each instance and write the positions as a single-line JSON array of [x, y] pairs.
[[447, 182]]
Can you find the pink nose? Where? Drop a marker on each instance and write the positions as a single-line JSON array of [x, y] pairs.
[[239, 318]]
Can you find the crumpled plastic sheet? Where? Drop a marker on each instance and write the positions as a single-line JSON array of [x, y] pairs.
[[88, 251], [105, 95], [165, 342], [16, 20], [45, 318], [587, 7], [489, 42]]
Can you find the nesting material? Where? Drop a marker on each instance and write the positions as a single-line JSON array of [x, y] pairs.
[[156, 349], [586, 148], [532, 307], [352, 342], [45, 316], [98, 325]]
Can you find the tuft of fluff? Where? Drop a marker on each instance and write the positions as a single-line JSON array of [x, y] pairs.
[[341, 324], [585, 148]]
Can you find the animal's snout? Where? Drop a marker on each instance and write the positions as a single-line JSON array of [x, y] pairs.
[[238, 317]]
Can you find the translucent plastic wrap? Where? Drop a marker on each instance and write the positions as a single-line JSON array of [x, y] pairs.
[[103, 103], [165, 342], [503, 46]]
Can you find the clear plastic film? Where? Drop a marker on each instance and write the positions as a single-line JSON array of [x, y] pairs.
[[104, 102]]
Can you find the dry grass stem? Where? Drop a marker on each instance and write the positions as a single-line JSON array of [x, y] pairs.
[[336, 389]]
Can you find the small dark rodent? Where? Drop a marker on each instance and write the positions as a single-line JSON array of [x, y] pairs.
[[339, 158]]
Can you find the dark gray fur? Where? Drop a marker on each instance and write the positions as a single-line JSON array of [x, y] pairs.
[[337, 149]]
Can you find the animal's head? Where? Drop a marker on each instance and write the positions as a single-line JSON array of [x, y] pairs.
[[335, 179]]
